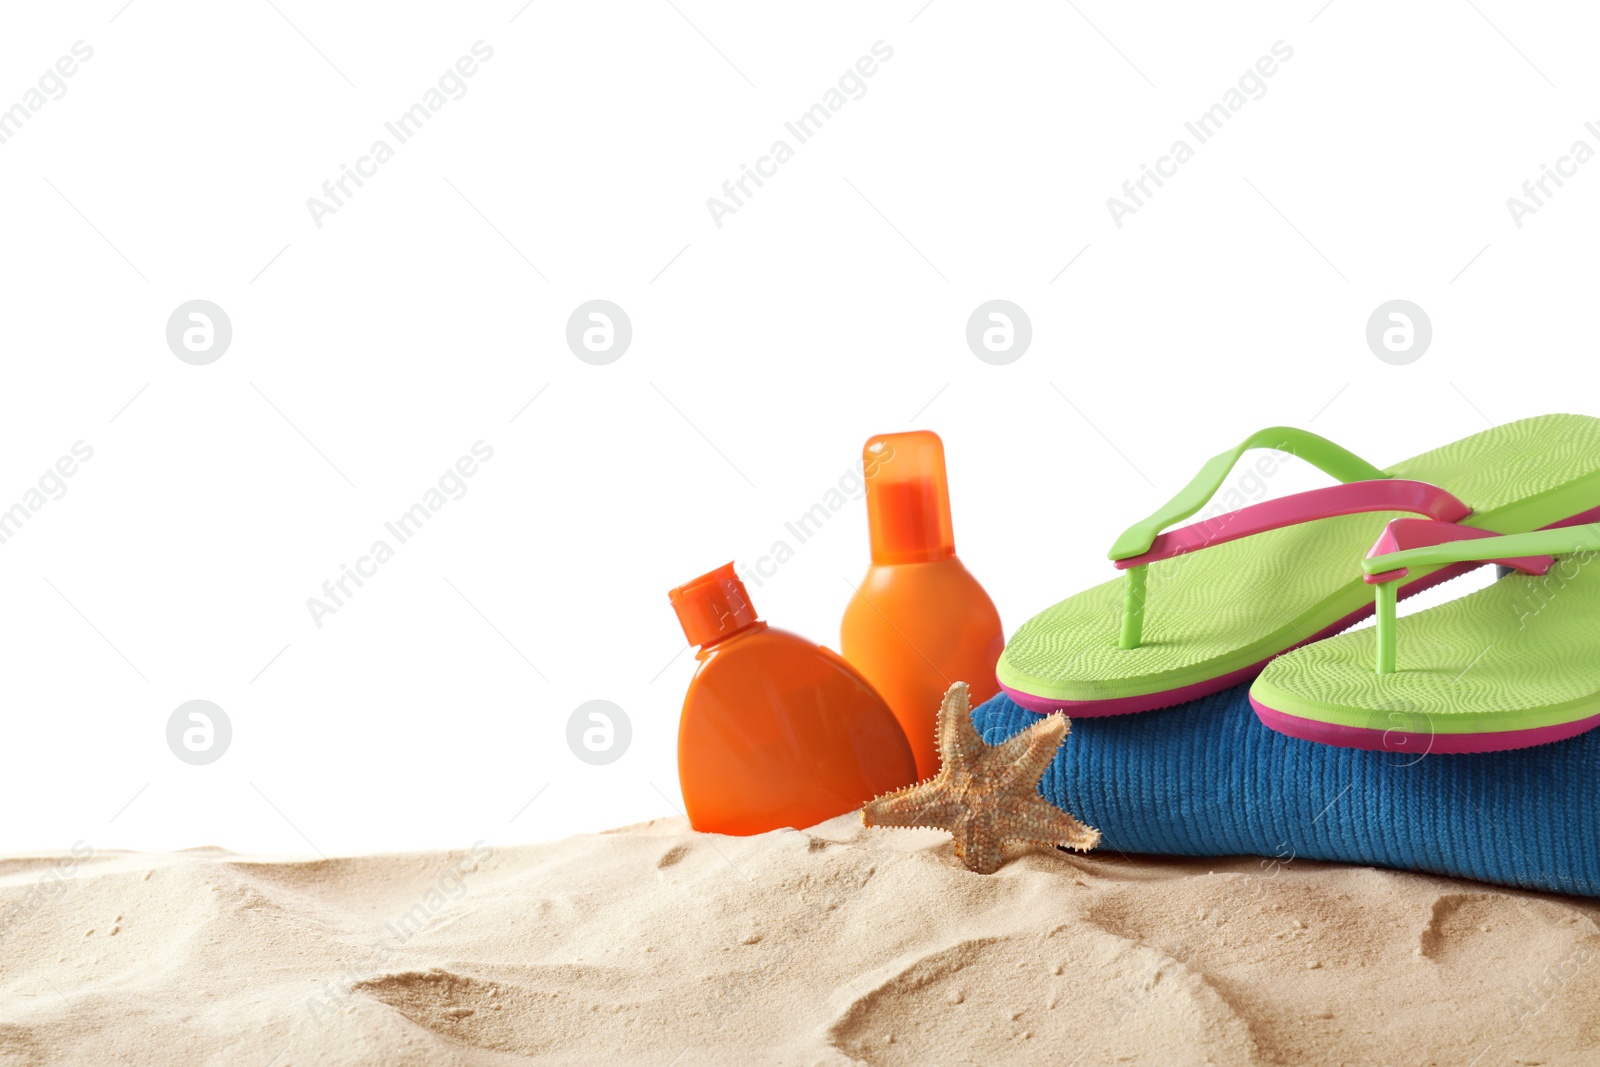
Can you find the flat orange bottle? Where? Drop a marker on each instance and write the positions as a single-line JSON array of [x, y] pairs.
[[776, 731], [919, 620]]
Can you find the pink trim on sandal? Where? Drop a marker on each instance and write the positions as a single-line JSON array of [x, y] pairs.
[[1351, 498], [1413, 743], [1402, 534]]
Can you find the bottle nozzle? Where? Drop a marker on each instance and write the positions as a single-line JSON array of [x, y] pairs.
[[908, 498]]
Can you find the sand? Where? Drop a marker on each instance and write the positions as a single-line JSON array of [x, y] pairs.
[[838, 945]]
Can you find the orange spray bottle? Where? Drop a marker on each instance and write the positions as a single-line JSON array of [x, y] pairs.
[[919, 620], [776, 731]]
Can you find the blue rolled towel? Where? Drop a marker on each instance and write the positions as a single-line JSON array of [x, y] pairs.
[[1206, 778]]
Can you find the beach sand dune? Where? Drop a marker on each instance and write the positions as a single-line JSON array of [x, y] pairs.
[[838, 945]]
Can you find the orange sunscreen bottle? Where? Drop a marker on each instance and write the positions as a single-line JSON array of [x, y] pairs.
[[776, 731], [918, 621]]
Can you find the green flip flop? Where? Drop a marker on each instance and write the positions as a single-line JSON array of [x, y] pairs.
[[1512, 665], [1207, 606]]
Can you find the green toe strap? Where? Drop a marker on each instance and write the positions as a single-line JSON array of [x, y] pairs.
[[1385, 572], [1136, 540], [1320, 452]]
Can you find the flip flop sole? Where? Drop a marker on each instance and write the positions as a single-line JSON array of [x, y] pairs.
[[1168, 697], [1419, 743], [1511, 665]]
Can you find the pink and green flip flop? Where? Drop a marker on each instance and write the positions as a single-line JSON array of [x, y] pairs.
[[1207, 606], [1512, 665]]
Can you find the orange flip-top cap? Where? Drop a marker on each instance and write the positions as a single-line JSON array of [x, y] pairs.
[[712, 606], [908, 498]]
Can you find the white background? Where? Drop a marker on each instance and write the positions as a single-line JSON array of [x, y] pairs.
[[370, 353]]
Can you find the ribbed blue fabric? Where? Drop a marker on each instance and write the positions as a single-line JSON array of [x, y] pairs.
[[1206, 778]]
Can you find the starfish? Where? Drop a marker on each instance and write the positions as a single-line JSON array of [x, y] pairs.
[[986, 794]]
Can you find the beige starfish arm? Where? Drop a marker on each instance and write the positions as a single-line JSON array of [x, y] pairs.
[[959, 743], [918, 805], [1027, 755], [1040, 822], [978, 845]]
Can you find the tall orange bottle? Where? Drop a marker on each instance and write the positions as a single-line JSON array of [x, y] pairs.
[[919, 620], [776, 731]]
